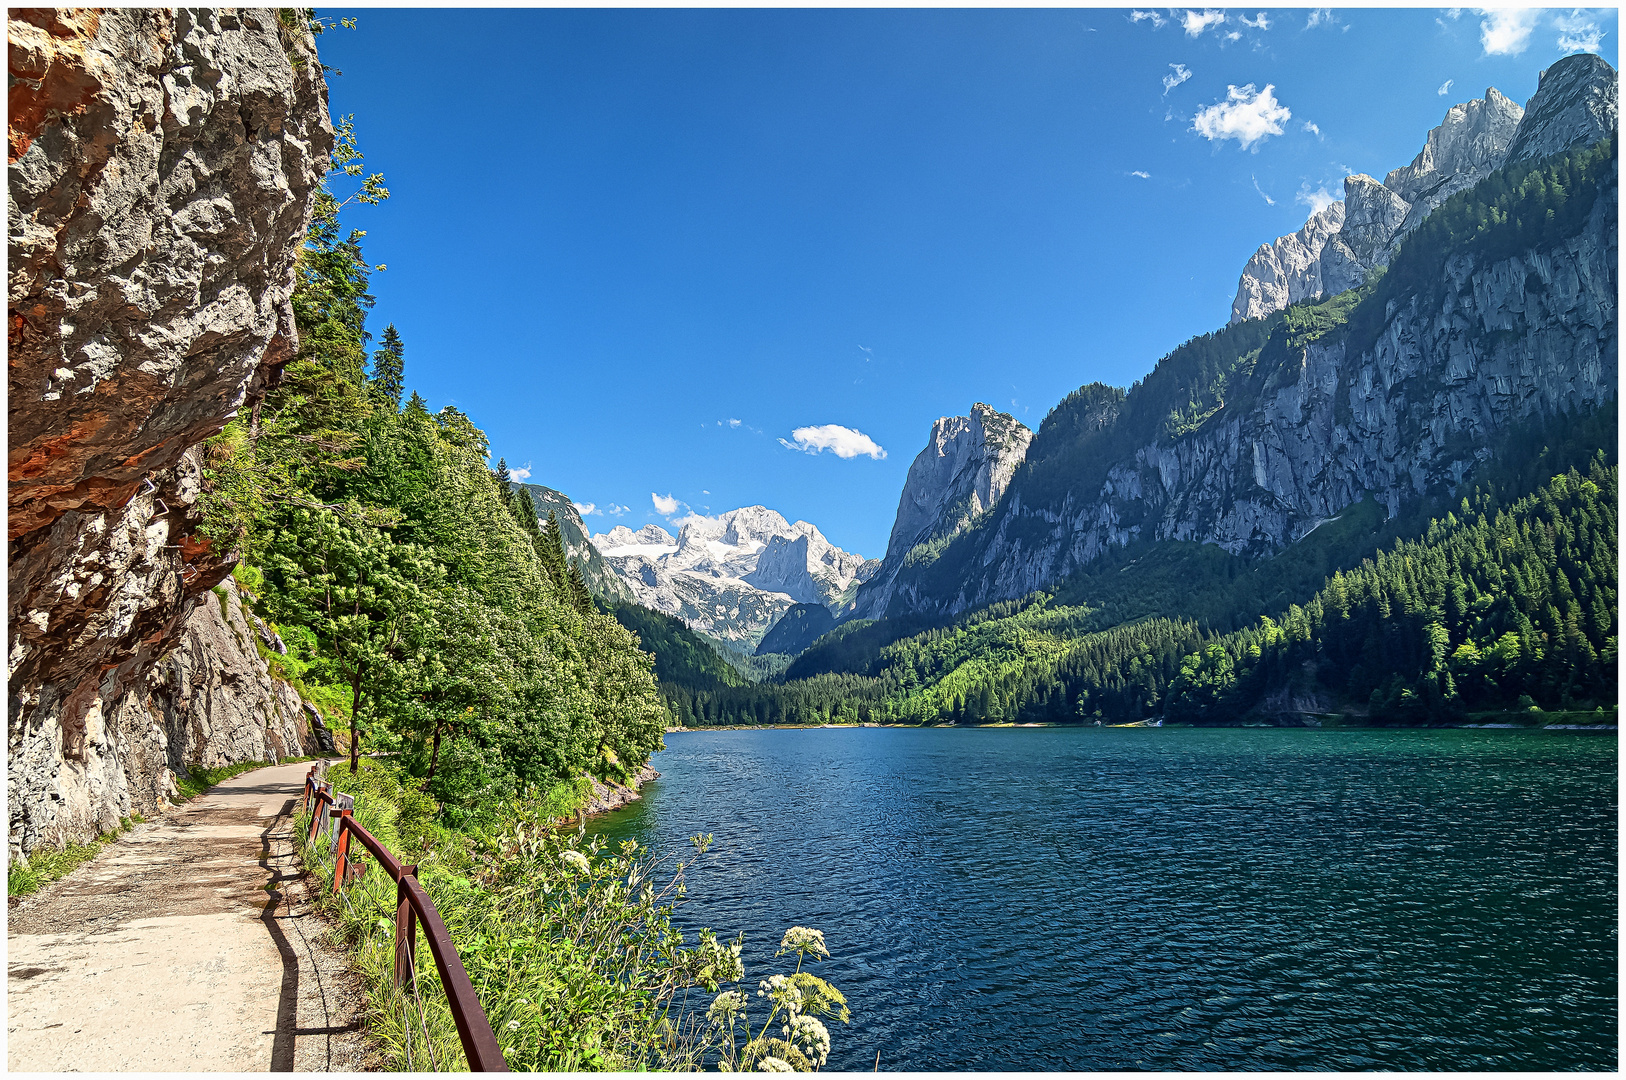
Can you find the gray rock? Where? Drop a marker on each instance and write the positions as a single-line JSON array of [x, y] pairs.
[[162, 167], [1576, 104], [967, 464], [1287, 271]]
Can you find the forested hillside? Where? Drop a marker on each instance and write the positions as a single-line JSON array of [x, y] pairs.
[[1506, 562], [422, 606]]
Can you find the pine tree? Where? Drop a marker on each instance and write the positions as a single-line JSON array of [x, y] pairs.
[[577, 584], [388, 368], [553, 554]]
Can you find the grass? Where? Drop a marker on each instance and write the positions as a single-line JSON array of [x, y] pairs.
[[53, 864]]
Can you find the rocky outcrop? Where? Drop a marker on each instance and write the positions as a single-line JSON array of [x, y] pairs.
[[607, 795], [162, 167], [1467, 146], [214, 697], [1329, 423], [967, 464], [1287, 271], [1576, 104], [731, 577], [1470, 143]]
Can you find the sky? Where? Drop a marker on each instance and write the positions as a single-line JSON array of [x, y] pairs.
[[679, 262]]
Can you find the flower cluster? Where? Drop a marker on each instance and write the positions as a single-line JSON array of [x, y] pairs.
[[773, 1064], [782, 993], [575, 860], [726, 1006], [804, 940], [810, 1036]]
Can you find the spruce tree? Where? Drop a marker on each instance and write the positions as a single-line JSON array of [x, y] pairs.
[[553, 554], [388, 368], [579, 594]]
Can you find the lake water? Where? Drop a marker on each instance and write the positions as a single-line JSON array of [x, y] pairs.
[[1168, 898]]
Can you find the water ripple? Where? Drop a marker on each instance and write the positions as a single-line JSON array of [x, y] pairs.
[[1169, 899]]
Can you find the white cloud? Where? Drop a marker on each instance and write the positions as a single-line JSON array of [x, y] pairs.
[[1310, 126], [1259, 22], [1506, 31], [1246, 115], [1578, 32], [1156, 19], [1317, 200], [1445, 87], [521, 474], [1268, 200], [1320, 17], [1234, 35], [665, 505], [1143, 175], [1178, 74], [1196, 22], [843, 442], [586, 509]]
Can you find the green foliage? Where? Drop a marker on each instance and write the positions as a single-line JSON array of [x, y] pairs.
[[569, 944], [421, 605], [682, 658]]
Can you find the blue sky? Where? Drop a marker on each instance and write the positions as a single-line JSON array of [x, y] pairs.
[[684, 261]]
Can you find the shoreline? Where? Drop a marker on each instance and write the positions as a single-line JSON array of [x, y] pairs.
[[1311, 725]]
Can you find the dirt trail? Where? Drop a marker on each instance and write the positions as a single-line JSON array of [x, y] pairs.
[[187, 945]]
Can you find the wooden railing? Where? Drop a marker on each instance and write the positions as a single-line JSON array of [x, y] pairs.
[[332, 812]]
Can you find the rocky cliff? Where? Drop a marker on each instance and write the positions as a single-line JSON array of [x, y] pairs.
[[962, 472], [1252, 437], [162, 165], [1576, 103]]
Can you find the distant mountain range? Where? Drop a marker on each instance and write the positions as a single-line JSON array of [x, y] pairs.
[[732, 576]]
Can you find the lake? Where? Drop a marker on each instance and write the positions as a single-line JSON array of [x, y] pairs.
[[1169, 899]]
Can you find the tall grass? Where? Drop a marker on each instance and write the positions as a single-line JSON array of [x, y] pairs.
[[569, 943]]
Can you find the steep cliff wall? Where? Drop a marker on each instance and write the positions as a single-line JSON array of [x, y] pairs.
[[963, 471], [162, 165], [1576, 103], [1302, 430]]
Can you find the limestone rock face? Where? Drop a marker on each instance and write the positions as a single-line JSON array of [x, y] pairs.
[[1576, 104], [214, 697], [1288, 270], [963, 471], [1406, 414], [1372, 218], [162, 165], [1470, 143]]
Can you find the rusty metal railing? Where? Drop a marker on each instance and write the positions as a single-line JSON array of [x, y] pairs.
[[332, 814]]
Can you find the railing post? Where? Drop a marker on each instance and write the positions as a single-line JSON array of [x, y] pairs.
[[344, 851], [406, 930], [316, 819]]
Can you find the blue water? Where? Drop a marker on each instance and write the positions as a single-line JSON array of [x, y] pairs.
[[1168, 898]]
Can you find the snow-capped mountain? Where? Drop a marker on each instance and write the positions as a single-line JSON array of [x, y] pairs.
[[732, 576]]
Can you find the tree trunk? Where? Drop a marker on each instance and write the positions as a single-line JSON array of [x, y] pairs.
[[355, 712], [434, 756]]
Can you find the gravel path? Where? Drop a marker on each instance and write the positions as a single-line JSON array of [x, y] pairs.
[[187, 945]]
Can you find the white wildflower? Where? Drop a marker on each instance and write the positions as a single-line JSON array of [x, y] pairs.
[[810, 1036], [513, 1025], [773, 1064], [805, 940], [726, 1006], [576, 861], [782, 992]]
